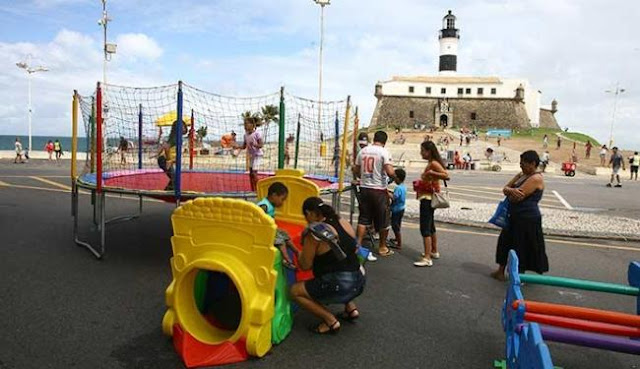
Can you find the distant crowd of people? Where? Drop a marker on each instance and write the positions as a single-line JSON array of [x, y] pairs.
[[51, 148]]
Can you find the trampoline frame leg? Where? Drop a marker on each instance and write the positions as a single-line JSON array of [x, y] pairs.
[[97, 202], [99, 219], [352, 205]]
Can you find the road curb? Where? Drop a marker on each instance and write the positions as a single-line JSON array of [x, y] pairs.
[[546, 232]]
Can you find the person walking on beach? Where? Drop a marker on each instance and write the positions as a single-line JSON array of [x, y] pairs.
[[57, 147], [634, 162], [545, 141], [49, 149], [615, 162], [603, 155], [558, 142], [18, 146], [588, 147]]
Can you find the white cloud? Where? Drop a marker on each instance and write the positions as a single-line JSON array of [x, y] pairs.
[[134, 46], [571, 50], [75, 63]]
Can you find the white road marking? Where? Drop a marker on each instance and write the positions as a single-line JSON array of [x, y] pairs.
[[562, 200]]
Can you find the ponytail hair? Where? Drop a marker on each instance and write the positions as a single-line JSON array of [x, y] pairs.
[[317, 206]]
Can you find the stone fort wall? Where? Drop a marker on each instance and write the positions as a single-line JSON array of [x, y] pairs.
[[392, 111], [548, 120]]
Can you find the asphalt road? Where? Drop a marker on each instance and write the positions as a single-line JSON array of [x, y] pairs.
[[60, 308], [582, 192]]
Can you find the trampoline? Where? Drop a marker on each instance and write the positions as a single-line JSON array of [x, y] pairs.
[[125, 139], [151, 182]]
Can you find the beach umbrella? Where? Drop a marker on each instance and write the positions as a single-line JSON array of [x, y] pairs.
[[168, 119]]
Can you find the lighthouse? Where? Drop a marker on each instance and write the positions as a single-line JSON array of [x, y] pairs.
[[449, 36]]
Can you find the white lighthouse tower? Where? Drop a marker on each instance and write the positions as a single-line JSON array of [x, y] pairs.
[[449, 36]]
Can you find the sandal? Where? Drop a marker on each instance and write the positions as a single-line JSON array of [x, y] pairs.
[[349, 315], [393, 244], [332, 328], [388, 253], [499, 276]]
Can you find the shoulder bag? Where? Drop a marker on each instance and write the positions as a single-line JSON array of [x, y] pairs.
[[440, 200]]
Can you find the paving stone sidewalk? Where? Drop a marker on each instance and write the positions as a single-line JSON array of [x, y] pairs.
[[554, 221]]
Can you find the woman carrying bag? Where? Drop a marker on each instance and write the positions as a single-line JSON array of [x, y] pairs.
[[523, 229], [428, 188]]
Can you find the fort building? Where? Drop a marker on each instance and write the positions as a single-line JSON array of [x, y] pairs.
[[449, 99]]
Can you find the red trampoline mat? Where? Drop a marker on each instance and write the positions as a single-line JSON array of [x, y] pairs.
[[202, 182]]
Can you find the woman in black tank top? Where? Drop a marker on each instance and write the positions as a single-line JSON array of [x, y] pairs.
[[336, 281]]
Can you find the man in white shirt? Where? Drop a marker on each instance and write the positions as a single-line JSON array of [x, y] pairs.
[[18, 146], [374, 168]]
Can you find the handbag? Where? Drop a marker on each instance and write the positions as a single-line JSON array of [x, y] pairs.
[[440, 200], [501, 216]]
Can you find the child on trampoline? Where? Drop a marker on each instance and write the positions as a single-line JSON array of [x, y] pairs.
[[253, 143], [276, 196], [167, 153]]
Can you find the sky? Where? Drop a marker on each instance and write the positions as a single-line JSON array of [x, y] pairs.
[[571, 50]]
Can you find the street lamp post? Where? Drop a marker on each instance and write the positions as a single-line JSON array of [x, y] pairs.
[[615, 93], [107, 47], [26, 65], [322, 4]]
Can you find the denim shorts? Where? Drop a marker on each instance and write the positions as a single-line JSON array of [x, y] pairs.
[[396, 220], [336, 287]]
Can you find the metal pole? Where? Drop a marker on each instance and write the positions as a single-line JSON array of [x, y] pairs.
[[281, 128], [29, 107], [99, 139], [613, 116], [179, 123], [140, 136], [320, 64], [104, 43], [74, 134], [344, 146], [191, 143], [295, 161], [336, 147], [74, 149]]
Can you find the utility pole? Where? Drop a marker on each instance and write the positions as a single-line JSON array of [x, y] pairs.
[[26, 65]]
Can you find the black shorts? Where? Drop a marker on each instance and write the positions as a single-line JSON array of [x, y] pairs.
[[427, 223], [336, 287], [396, 220], [374, 208], [634, 169]]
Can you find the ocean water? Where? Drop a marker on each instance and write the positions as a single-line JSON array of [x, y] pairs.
[[7, 142]]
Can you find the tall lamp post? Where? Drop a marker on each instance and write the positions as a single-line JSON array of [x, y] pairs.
[[615, 93], [322, 4], [107, 47], [26, 65]]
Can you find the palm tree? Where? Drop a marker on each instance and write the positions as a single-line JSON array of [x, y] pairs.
[[201, 133], [269, 113]]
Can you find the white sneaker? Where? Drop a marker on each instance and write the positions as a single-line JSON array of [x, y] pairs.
[[370, 257], [423, 263]]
